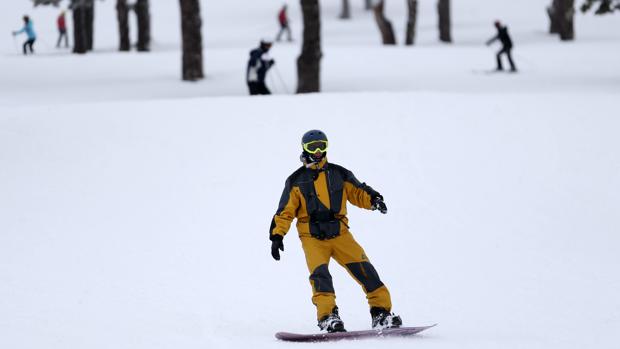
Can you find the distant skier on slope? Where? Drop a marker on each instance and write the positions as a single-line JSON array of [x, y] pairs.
[[284, 25], [32, 36], [258, 65], [504, 38], [316, 194], [61, 23]]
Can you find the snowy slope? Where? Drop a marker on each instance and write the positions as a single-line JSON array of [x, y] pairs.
[[151, 230], [134, 207]]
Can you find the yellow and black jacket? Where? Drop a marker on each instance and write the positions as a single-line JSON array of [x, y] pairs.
[[317, 197]]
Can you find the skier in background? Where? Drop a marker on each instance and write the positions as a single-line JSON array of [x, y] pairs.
[[62, 29], [283, 20], [258, 65], [504, 38], [29, 30], [316, 194]]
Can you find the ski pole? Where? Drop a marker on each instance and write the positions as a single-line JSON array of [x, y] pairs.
[[15, 43], [271, 83], [281, 80]]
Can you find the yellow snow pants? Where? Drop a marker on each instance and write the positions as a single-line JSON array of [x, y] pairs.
[[348, 253]]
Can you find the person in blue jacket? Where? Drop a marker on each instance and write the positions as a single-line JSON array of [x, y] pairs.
[[29, 30], [258, 65]]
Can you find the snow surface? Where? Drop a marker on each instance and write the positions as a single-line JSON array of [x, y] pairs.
[[134, 208]]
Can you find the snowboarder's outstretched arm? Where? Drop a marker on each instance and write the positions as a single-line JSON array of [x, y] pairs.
[[492, 40], [16, 32], [362, 195]]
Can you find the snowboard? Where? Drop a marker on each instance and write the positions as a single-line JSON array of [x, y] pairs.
[[325, 337]]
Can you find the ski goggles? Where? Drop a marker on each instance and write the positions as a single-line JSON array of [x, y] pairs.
[[315, 147]]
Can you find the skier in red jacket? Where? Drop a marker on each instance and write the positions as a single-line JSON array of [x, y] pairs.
[[62, 30], [283, 20]]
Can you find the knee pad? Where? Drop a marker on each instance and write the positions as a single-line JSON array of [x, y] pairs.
[[321, 279]]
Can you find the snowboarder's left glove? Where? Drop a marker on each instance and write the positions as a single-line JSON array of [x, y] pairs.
[[276, 244], [378, 204]]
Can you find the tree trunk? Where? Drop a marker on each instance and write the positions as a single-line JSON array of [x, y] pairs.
[[122, 13], [192, 40], [144, 25], [368, 4], [309, 61], [412, 15], [385, 27], [80, 44], [346, 10], [554, 27], [443, 9], [565, 16], [89, 24]]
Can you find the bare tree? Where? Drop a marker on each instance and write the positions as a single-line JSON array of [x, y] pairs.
[[83, 16], [561, 14], [144, 25], [46, 2], [385, 26], [191, 24], [309, 61], [122, 13], [141, 9], [553, 22], [605, 6], [443, 10], [346, 10], [89, 25], [412, 15], [566, 15]]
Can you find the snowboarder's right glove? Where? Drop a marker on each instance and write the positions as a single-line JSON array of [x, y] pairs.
[[378, 204], [276, 244]]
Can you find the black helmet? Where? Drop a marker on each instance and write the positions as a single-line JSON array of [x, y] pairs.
[[314, 145], [313, 135]]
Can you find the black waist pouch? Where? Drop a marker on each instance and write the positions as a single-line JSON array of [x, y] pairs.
[[324, 225]]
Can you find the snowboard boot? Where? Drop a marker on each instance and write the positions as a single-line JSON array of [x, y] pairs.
[[332, 322], [382, 319]]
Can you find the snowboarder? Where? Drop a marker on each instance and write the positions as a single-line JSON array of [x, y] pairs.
[[258, 65], [62, 29], [316, 194], [29, 30], [283, 20], [504, 38]]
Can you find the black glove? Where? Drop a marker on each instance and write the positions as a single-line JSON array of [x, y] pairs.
[[378, 204], [276, 244]]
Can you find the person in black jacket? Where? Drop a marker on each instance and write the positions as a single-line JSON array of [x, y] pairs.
[[258, 65], [504, 38]]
